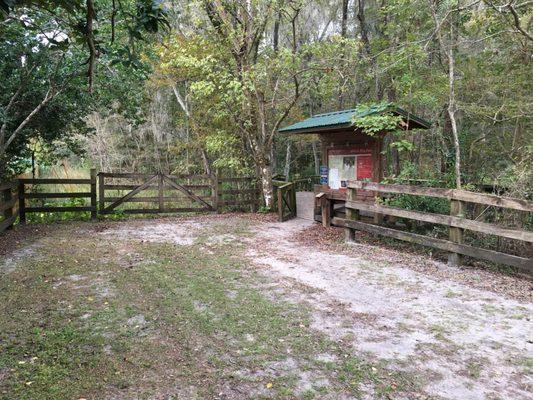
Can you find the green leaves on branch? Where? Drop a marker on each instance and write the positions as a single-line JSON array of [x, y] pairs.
[[375, 118], [403, 145]]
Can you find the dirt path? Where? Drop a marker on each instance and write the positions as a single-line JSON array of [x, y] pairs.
[[462, 343], [236, 307]]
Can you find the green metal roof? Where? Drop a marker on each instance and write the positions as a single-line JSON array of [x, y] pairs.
[[344, 118]]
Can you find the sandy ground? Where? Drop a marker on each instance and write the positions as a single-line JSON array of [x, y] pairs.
[[463, 343], [460, 342]]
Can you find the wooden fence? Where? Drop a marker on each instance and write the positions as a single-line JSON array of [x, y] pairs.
[[128, 193], [285, 199], [240, 193], [163, 193], [456, 221], [24, 194], [133, 193], [8, 204]]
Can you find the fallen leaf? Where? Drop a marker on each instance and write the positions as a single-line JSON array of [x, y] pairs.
[[269, 385]]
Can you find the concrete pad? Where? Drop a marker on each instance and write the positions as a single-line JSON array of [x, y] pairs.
[[305, 204]]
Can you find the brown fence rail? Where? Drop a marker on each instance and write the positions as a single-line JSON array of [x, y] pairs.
[[8, 205], [129, 193], [163, 193], [456, 221], [285, 199], [154, 193], [24, 195], [237, 193]]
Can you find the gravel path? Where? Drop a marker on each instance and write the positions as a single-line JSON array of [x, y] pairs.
[[462, 342]]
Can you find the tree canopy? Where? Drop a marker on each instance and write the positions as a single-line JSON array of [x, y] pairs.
[[204, 85]]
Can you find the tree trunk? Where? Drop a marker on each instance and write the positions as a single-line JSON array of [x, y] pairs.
[[287, 168], [396, 167], [344, 21], [344, 30], [265, 171], [315, 158], [451, 112], [363, 29], [276, 32], [452, 106], [205, 160], [3, 165], [90, 16]]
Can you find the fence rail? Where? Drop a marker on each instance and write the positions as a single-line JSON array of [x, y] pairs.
[[107, 191], [175, 193], [237, 192], [8, 204], [285, 199], [24, 195], [456, 221]]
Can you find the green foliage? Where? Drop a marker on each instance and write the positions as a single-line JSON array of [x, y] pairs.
[[46, 217], [236, 89], [420, 203], [374, 118], [403, 145]]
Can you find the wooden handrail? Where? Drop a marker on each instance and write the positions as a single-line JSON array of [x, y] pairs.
[[54, 181], [441, 244], [450, 194], [456, 221], [442, 219]]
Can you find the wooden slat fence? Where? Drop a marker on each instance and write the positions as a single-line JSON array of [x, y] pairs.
[[237, 193], [24, 194], [8, 205], [162, 193], [456, 221], [285, 199], [134, 193], [129, 193]]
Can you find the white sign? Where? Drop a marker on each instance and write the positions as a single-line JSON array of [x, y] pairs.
[[334, 181]]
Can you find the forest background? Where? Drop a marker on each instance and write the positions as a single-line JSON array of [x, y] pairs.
[[202, 86]]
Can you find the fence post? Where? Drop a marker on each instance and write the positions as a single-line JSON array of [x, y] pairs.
[[456, 234], [293, 200], [22, 202], [101, 192], [8, 212], [280, 204], [351, 214], [378, 218], [254, 196], [214, 190], [160, 193], [327, 207], [93, 194]]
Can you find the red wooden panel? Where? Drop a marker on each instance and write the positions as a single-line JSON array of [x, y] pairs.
[[350, 150], [364, 167]]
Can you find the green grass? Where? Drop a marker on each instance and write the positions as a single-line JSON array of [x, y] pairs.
[[87, 318]]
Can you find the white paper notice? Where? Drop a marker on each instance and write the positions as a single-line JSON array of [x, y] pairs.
[[334, 181]]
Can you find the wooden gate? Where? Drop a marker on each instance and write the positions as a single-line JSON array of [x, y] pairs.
[[156, 193], [285, 199]]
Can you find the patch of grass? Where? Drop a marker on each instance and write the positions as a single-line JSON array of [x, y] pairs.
[[474, 369], [527, 365], [440, 332], [451, 294], [48, 364], [138, 319]]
